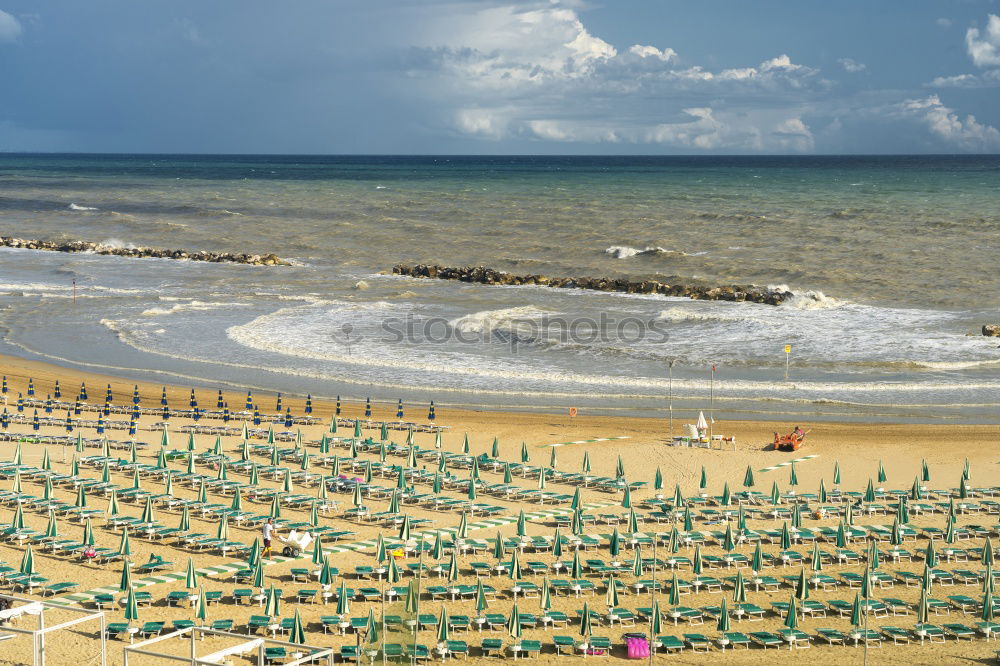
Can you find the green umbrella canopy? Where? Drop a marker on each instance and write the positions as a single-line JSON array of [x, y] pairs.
[[222, 531], [326, 575], [147, 512], [125, 582], [257, 579], [723, 623], [88, 534], [52, 530], [674, 596], [655, 624], [498, 550], [817, 557], [185, 522], [637, 568], [380, 549], [453, 567], [611, 599], [273, 605], [202, 612], [28, 561], [191, 576], [442, 633], [739, 588], [923, 608], [802, 586], [748, 480], [576, 568], [585, 627], [987, 613], [481, 602], [131, 607], [925, 472], [298, 634], [856, 616], [124, 546], [988, 556], [658, 480], [881, 472], [412, 598], [371, 630], [343, 602], [545, 600], [792, 620], [514, 622], [393, 574], [836, 473]]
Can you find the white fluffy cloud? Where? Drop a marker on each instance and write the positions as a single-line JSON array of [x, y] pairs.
[[984, 46], [852, 66], [533, 72], [10, 27], [945, 124], [988, 79]]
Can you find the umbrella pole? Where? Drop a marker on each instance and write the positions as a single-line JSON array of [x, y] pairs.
[[420, 572], [652, 595], [382, 580]]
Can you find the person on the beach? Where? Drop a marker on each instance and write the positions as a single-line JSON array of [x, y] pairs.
[[269, 533], [798, 432]]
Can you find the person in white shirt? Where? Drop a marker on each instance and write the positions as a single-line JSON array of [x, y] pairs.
[[269, 533]]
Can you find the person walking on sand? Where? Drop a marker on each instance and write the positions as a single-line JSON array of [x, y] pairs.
[[269, 533]]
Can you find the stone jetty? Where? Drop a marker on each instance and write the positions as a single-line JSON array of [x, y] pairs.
[[485, 275], [143, 252]]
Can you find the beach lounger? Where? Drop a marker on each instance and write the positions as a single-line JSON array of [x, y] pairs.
[[796, 638], [898, 635], [670, 644], [833, 636], [734, 639], [151, 629], [766, 639], [698, 642], [929, 632], [491, 647], [959, 631]]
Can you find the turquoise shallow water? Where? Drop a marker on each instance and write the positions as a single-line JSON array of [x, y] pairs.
[[895, 257]]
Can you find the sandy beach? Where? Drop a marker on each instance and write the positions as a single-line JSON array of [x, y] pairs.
[[858, 448]]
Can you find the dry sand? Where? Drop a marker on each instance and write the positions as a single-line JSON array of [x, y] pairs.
[[858, 448]]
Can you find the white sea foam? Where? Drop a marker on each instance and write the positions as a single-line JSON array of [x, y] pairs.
[[74, 206], [510, 320], [624, 251], [193, 306]]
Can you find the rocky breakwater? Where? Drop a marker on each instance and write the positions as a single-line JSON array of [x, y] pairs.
[[485, 275], [992, 330], [143, 252]]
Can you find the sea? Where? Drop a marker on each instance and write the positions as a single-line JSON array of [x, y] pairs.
[[892, 260]]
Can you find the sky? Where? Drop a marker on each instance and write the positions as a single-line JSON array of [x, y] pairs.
[[485, 77]]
